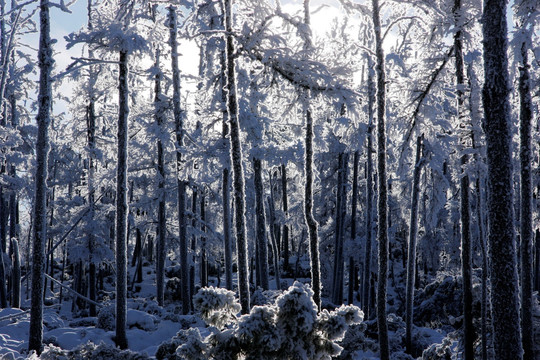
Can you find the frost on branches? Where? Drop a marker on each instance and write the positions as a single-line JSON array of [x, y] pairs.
[[288, 329]]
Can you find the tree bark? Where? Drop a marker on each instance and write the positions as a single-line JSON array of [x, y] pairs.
[[16, 275], [369, 198], [354, 202], [262, 245], [466, 255], [526, 229], [285, 236], [236, 160], [40, 208], [382, 205], [311, 223], [162, 226], [411, 258], [504, 278], [179, 127], [121, 203]]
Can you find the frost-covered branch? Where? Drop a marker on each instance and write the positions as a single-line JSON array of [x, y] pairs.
[[421, 97], [72, 291], [391, 25]]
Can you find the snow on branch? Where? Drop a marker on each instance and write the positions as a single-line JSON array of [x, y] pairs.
[[420, 98], [62, 5], [112, 37]]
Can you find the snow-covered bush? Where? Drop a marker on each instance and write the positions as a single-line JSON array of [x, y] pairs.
[[216, 306], [106, 318], [288, 329], [187, 344], [89, 351], [141, 320], [173, 289], [441, 351]]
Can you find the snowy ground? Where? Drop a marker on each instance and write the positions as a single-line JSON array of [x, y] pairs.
[[148, 324]]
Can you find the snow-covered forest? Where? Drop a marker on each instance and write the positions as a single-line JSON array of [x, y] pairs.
[[348, 179]]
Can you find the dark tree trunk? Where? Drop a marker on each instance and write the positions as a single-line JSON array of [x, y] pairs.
[[285, 236], [485, 266], [159, 108], [122, 204], [16, 275], [526, 229], [369, 198], [273, 240], [204, 260], [411, 258], [262, 246], [40, 207], [504, 278], [311, 223], [236, 160], [466, 255], [337, 289], [354, 201], [382, 206], [179, 127]]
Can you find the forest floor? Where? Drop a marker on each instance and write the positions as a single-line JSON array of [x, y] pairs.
[[149, 325]]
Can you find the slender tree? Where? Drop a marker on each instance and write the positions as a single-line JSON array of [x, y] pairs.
[[382, 205], [262, 245], [236, 160], [162, 226], [526, 228], [366, 285], [466, 255], [179, 128], [43, 119], [311, 223], [504, 278], [121, 202], [411, 258]]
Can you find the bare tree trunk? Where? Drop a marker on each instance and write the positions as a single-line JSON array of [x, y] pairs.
[[262, 246], [337, 289], [354, 202], [285, 236], [40, 208], [311, 223], [179, 124], [369, 197], [204, 259], [236, 160], [466, 256], [526, 229], [273, 240], [162, 226], [504, 278], [382, 206], [16, 275], [122, 204], [485, 266], [411, 258]]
